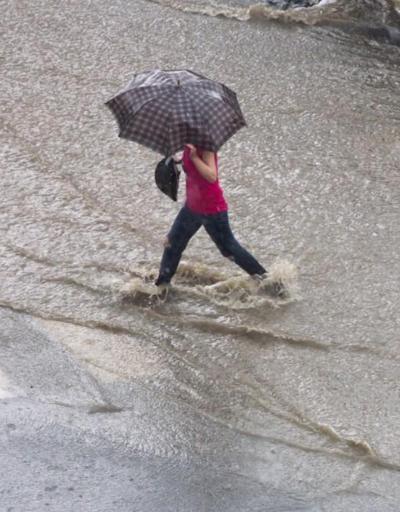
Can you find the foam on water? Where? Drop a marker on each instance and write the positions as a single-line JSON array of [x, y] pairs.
[[308, 12], [201, 281]]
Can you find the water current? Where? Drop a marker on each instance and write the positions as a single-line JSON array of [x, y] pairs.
[[380, 12], [277, 405]]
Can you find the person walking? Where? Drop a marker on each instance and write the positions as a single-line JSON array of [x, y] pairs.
[[205, 206], [165, 110]]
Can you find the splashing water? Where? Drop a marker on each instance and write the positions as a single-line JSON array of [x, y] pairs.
[[308, 12], [201, 281]]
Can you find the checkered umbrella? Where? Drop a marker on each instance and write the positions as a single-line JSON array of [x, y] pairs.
[[164, 110]]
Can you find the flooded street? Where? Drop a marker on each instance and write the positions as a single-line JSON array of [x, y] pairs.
[[217, 399]]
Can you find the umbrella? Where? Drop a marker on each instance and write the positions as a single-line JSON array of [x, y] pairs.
[[164, 110]]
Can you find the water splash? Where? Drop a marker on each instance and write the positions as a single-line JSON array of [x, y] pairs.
[[308, 12], [233, 292]]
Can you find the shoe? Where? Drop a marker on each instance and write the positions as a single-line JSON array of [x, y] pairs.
[[259, 277], [162, 290]]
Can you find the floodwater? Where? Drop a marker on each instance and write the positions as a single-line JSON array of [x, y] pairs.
[[218, 398]]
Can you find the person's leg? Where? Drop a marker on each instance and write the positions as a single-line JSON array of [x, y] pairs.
[[184, 227], [217, 226]]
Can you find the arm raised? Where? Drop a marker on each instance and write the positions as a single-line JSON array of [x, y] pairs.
[[205, 165]]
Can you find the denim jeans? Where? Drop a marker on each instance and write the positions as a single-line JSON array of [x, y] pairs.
[[186, 224]]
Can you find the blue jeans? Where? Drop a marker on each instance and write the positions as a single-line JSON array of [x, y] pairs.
[[186, 224]]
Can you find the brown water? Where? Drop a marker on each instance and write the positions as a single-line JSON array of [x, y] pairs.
[[298, 398]]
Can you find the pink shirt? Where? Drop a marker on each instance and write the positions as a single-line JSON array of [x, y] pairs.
[[201, 195]]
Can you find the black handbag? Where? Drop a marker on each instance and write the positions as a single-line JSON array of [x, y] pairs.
[[167, 177]]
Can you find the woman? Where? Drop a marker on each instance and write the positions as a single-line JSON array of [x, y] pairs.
[[205, 206]]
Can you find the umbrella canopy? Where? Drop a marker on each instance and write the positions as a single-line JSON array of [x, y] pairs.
[[164, 110]]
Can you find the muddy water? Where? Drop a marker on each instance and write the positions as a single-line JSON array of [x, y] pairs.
[[270, 405]]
